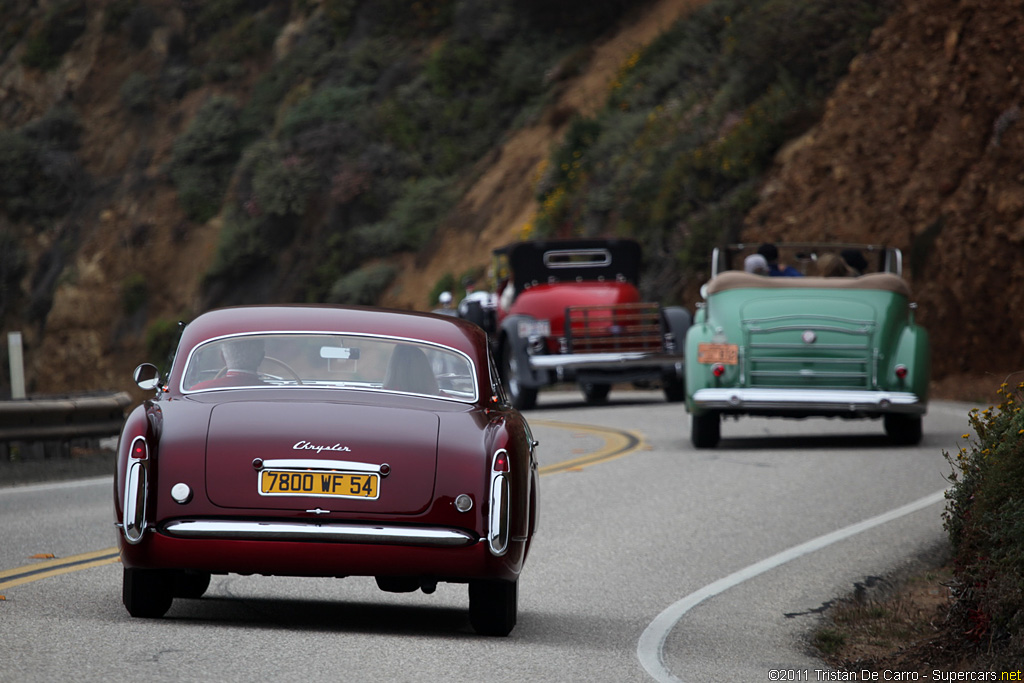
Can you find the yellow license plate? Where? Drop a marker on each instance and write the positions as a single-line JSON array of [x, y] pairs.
[[319, 483], [726, 354]]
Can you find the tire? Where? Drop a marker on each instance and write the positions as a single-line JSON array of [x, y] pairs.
[[595, 393], [147, 593], [188, 584], [904, 430], [522, 398], [705, 430], [674, 388], [493, 607]]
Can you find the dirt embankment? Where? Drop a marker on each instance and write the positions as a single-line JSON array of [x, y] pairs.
[[921, 147]]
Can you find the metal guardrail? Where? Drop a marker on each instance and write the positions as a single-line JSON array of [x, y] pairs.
[[64, 417]]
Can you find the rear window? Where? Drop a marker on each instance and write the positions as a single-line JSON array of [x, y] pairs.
[[331, 361]]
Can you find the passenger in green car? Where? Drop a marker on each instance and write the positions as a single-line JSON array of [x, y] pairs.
[[833, 265], [855, 260], [756, 264], [775, 269]]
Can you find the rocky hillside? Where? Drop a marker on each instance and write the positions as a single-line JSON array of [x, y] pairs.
[[919, 146], [922, 147]]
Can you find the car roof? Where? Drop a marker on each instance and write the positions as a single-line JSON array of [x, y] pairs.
[[439, 329], [529, 263]]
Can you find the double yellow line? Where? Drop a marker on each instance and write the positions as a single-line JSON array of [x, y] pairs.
[[617, 443], [15, 577]]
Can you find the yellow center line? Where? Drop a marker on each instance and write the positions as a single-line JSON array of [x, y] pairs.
[[617, 443], [33, 572]]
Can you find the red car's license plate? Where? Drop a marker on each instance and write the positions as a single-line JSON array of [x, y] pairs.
[[319, 483]]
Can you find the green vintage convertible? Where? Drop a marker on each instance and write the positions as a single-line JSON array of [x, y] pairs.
[[816, 345]]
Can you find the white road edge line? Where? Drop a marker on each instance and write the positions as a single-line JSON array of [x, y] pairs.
[[73, 484], [650, 648]]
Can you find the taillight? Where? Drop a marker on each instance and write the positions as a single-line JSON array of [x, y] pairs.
[[717, 369], [500, 463], [136, 492], [498, 524], [901, 371], [139, 449]]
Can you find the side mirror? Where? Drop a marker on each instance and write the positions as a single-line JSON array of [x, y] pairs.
[[147, 376]]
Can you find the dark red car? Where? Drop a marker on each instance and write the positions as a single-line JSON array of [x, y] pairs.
[[327, 441]]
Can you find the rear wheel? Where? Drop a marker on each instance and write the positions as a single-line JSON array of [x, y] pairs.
[[705, 430], [674, 388], [189, 584], [493, 606], [595, 393], [147, 593], [904, 430], [523, 398]]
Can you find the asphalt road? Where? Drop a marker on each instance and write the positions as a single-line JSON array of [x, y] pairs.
[[654, 562]]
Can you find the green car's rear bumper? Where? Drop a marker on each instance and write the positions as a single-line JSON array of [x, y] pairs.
[[810, 401]]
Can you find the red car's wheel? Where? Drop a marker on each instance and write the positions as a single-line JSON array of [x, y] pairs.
[[595, 393], [522, 398], [147, 593], [191, 584], [493, 606]]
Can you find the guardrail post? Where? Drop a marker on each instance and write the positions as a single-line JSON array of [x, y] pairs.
[[17, 365]]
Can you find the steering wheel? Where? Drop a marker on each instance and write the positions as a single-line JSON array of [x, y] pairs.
[[267, 359], [282, 364]]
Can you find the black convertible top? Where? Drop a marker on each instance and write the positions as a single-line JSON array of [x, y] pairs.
[[540, 261]]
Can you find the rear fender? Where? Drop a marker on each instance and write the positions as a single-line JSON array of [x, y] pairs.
[[913, 351]]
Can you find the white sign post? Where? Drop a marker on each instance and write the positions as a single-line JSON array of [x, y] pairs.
[[17, 365]]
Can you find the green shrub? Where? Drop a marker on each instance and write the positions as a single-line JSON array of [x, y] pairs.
[[329, 104], [40, 176], [364, 286], [204, 156], [984, 518], [280, 182], [308, 60], [137, 92], [63, 24], [418, 211], [134, 293], [454, 65], [248, 244], [13, 266]]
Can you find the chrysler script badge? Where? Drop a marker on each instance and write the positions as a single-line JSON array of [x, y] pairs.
[[809, 337], [308, 446]]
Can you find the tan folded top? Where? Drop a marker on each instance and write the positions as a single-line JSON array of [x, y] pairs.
[[736, 279]]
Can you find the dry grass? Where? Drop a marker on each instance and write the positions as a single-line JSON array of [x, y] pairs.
[[905, 629]]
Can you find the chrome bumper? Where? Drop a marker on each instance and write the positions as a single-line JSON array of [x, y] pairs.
[[603, 360], [324, 532], [879, 402]]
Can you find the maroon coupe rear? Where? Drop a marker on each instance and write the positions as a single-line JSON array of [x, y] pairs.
[[327, 441]]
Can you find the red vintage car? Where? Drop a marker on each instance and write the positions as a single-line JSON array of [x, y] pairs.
[[327, 441], [571, 311]]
